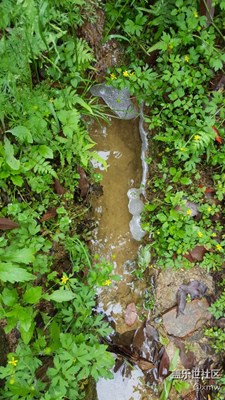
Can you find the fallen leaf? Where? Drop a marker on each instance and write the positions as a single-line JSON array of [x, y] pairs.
[[59, 189], [50, 213], [197, 254], [151, 332], [209, 190], [187, 357], [145, 365], [164, 365], [83, 182], [220, 323], [207, 9], [130, 316], [218, 137], [188, 257], [6, 224]]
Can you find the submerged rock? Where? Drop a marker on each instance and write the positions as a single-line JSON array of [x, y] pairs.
[[131, 315], [135, 206]]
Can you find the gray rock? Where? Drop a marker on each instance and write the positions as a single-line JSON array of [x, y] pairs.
[[195, 316], [118, 100], [169, 281]]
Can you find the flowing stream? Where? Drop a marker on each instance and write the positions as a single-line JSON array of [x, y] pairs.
[[121, 144]]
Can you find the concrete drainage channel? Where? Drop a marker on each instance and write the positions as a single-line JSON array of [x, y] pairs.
[[117, 239]]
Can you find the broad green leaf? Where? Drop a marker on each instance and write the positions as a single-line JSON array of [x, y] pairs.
[[180, 385], [24, 256], [216, 63], [172, 170], [22, 133], [83, 104], [70, 120], [27, 334], [45, 151], [60, 295], [32, 295], [9, 155], [174, 361], [185, 181], [167, 383], [9, 297], [11, 273], [17, 180]]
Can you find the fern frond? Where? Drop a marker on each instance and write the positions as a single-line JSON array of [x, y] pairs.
[[43, 167]]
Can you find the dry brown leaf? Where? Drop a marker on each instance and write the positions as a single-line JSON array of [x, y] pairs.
[[6, 224], [59, 189], [83, 182], [164, 365], [197, 254], [50, 213]]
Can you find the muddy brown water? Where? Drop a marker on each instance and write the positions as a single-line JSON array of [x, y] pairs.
[[119, 144]]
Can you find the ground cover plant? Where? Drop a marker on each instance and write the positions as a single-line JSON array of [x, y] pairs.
[[48, 279], [174, 63]]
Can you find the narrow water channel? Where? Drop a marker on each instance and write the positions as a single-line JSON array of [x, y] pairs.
[[119, 143]]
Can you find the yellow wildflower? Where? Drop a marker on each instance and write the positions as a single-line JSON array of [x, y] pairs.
[[218, 247], [200, 234], [195, 14], [125, 73], [112, 76], [209, 209], [13, 362], [189, 212], [64, 280], [213, 234], [107, 282], [196, 137], [186, 58]]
